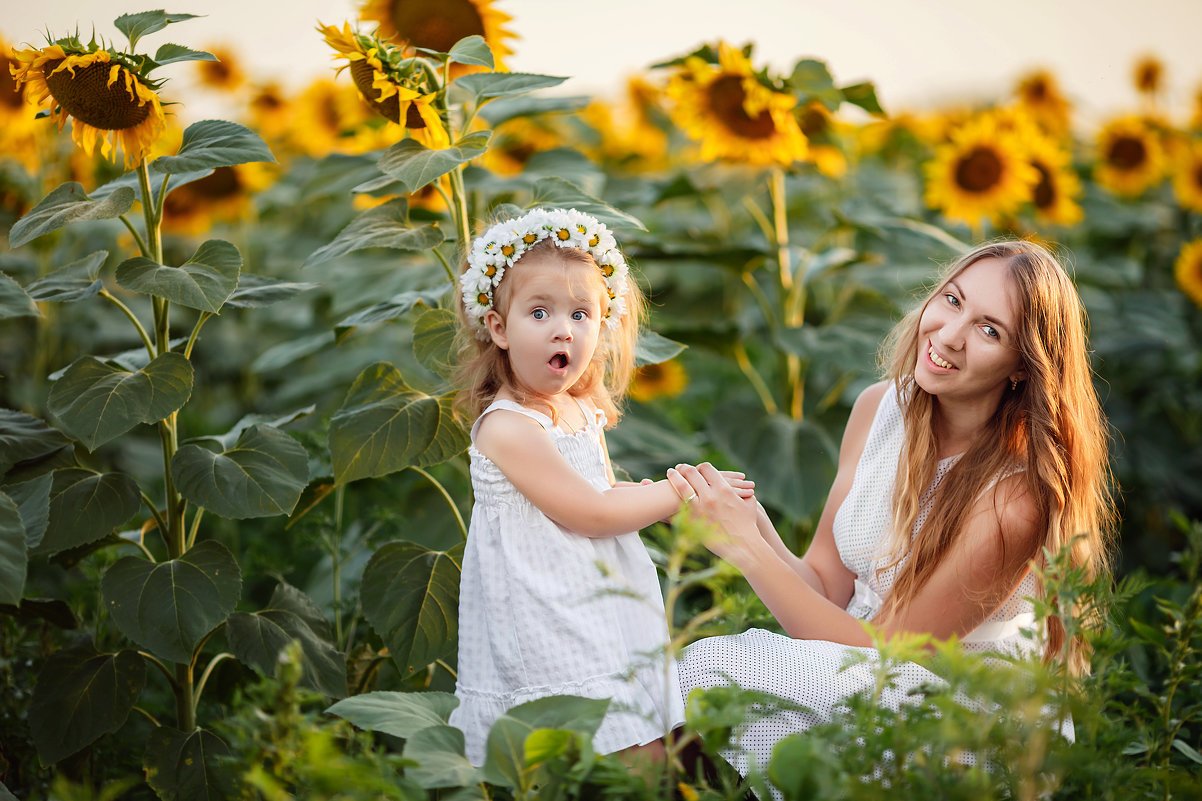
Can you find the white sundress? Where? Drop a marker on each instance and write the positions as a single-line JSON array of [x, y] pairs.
[[811, 672], [544, 611]]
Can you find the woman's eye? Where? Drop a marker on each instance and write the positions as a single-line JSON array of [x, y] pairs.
[[539, 314], [991, 331], [952, 299]]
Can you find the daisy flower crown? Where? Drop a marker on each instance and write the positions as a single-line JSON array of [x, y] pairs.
[[498, 248]]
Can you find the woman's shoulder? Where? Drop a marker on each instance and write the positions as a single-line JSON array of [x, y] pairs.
[[859, 422]]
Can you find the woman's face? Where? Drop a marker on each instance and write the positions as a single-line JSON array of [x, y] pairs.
[[968, 346]]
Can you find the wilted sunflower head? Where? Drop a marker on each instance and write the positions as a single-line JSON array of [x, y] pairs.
[[1188, 271], [734, 115], [982, 172], [439, 24], [1130, 156], [1148, 74], [395, 86], [99, 90]]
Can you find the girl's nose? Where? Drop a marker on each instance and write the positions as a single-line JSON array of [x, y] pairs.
[[562, 330]]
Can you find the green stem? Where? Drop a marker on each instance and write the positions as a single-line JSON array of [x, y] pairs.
[[757, 382], [141, 243], [445, 264], [195, 526], [200, 321], [760, 298], [163, 668], [459, 211], [158, 518], [447, 496], [792, 298], [204, 678], [336, 557], [141, 547], [133, 318], [148, 716]]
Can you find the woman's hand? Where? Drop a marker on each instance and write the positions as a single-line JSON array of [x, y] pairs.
[[730, 507]]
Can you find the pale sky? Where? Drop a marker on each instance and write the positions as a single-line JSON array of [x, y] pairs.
[[920, 53]]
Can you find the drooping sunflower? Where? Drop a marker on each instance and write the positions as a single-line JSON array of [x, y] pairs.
[[225, 74], [439, 24], [224, 195], [1055, 194], [664, 380], [820, 130], [1187, 177], [1188, 271], [983, 172], [99, 90], [398, 92], [1131, 158], [733, 115], [1148, 75], [1039, 93]]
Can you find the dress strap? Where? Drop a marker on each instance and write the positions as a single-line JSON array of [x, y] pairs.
[[598, 416], [511, 406]]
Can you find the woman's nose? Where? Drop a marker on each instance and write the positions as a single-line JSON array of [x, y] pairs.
[[951, 335]]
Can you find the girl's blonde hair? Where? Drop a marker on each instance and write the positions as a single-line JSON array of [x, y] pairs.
[[1051, 425], [484, 369]]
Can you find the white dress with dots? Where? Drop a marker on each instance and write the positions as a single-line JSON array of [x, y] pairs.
[[810, 672], [545, 611]]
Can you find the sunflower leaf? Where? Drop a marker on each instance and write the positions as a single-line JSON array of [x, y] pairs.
[[384, 226], [135, 26], [75, 281], [214, 143], [171, 53], [864, 96], [415, 165], [555, 191], [653, 349], [472, 50], [14, 302], [255, 291], [260, 475], [203, 282], [484, 86], [68, 203]]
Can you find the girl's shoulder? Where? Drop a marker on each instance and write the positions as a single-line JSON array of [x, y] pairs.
[[504, 415]]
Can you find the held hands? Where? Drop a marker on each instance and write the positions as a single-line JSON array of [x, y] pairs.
[[727, 500]]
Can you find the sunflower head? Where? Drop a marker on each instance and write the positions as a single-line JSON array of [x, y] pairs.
[[663, 380], [1039, 93], [1188, 271], [224, 73], [1148, 75], [1131, 157], [439, 24], [983, 172], [733, 111], [1187, 177], [1058, 189]]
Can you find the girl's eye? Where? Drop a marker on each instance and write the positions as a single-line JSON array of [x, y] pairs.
[[579, 315], [539, 314]]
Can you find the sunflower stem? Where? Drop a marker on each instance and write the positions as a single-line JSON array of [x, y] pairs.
[[792, 299], [459, 210], [446, 496], [446, 265], [104, 293], [200, 321], [757, 382], [138, 240]]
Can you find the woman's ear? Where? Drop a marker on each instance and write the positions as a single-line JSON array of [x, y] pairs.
[[496, 328]]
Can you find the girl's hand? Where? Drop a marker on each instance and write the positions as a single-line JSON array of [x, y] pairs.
[[736, 538]]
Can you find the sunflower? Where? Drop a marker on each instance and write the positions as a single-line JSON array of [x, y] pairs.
[[439, 24], [1039, 93], [271, 112], [1131, 158], [223, 195], [664, 380], [982, 172], [326, 115], [225, 74], [818, 126], [398, 93], [1188, 271], [1148, 75], [516, 141], [735, 116], [1187, 177], [1055, 195], [628, 132], [99, 91]]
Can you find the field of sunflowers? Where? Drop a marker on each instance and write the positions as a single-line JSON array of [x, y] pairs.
[[233, 489]]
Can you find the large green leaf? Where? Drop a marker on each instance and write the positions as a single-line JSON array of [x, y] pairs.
[[258, 639], [255, 291], [203, 282], [80, 696], [43, 610], [500, 111], [97, 401], [653, 349], [483, 86], [32, 498], [75, 281], [24, 438], [384, 226], [384, 426], [864, 96], [85, 506], [396, 713], [173, 53], [65, 205], [229, 438], [434, 341], [14, 301], [506, 759], [415, 165], [260, 475], [390, 309], [209, 144], [144, 23], [13, 559], [555, 191], [793, 461], [188, 766], [130, 179], [472, 50], [439, 754], [410, 596], [167, 607]]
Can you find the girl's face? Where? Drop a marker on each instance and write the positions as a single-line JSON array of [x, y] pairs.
[[968, 346], [553, 323]]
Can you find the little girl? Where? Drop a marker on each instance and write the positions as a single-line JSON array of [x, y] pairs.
[[558, 595]]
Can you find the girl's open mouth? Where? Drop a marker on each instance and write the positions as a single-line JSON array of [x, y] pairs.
[[559, 361]]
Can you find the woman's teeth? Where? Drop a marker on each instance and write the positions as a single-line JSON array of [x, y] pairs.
[[939, 361]]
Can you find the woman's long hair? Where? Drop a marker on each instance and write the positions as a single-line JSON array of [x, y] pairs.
[[1051, 425], [483, 369]]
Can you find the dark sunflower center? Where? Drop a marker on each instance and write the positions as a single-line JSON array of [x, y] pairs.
[[1148, 78], [1037, 91], [217, 72], [1127, 152], [726, 97], [436, 24], [87, 97], [814, 123], [223, 182], [413, 117], [651, 373], [267, 100], [362, 74], [1045, 190], [979, 170], [1197, 175], [10, 96]]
